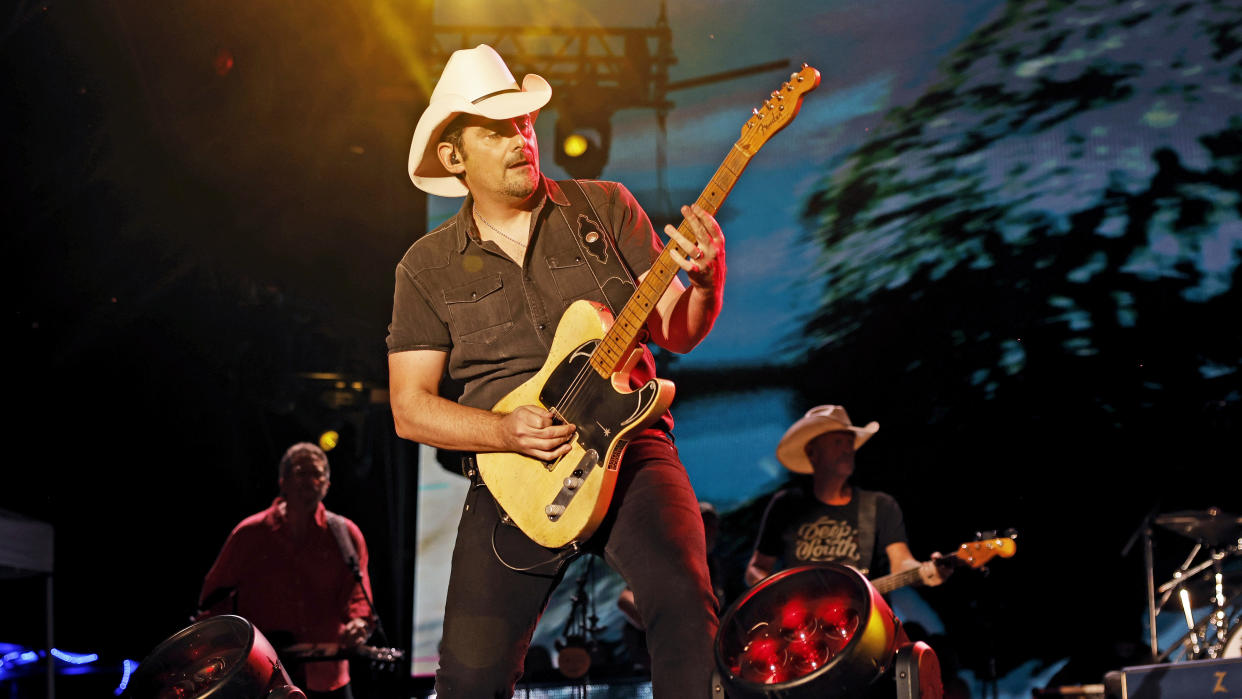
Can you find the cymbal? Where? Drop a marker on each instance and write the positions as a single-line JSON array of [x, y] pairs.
[[1211, 526]]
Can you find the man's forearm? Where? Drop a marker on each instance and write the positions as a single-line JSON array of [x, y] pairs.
[[442, 423], [692, 318]]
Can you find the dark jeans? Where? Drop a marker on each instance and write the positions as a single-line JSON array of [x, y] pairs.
[[652, 536]]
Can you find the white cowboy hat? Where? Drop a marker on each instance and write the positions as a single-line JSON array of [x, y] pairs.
[[474, 81], [791, 450]]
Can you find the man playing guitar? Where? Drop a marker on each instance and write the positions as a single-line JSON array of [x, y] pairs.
[[480, 298], [833, 520]]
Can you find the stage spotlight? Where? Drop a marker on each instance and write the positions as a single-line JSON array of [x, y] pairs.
[[329, 439], [820, 631], [583, 139], [223, 656], [575, 145]]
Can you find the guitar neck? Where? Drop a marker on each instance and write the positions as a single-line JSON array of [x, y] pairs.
[[972, 554], [888, 583], [612, 351]]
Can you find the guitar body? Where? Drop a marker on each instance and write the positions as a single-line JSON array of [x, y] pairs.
[[563, 502]]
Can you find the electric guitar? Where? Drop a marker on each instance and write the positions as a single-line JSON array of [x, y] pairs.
[[975, 554], [585, 379]]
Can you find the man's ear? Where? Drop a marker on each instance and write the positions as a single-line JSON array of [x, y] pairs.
[[449, 159]]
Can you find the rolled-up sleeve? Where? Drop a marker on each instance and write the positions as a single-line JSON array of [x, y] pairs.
[[415, 324]]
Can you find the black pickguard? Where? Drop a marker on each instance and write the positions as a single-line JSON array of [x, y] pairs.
[[589, 401]]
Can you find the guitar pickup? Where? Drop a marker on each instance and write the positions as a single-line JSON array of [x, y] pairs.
[[557, 419]]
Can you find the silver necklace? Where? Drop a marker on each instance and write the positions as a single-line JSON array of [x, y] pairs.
[[504, 235]]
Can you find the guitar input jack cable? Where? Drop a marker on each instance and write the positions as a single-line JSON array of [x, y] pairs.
[[564, 555]]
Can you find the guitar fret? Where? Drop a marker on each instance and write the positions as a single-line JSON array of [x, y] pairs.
[[891, 582]]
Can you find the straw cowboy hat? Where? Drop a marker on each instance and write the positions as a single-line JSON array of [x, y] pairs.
[[791, 451], [474, 81]]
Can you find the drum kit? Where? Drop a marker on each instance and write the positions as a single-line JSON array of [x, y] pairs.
[[1207, 588]]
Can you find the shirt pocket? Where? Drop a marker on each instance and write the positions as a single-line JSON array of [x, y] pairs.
[[573, 277], [479, 310]]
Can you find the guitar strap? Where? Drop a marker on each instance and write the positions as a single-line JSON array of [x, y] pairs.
[[866, 528], [598, 246], [336, 524]]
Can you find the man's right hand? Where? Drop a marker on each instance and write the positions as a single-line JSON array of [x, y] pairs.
[[537, 433]]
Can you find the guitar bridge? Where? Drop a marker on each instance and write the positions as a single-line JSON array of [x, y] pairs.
[[571, 485]]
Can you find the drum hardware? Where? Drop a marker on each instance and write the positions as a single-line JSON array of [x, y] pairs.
[[578, 645], [1207, 582]]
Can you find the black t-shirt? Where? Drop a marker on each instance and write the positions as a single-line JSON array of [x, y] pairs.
[[798, 528]]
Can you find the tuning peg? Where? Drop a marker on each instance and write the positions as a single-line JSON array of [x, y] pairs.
[[1011, 533]]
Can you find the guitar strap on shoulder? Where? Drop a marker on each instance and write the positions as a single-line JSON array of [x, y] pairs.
[[866, 528], [336, 524], [612, 274]]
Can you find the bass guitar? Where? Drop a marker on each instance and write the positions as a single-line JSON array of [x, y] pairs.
[[585, 379], [974, 554]]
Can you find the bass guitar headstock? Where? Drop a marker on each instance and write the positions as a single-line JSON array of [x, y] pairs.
[[976, 554]]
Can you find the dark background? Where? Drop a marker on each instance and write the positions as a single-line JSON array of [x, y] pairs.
[[201, 212]]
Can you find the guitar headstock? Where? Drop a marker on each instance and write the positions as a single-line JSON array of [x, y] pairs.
[[976, 554], [778, 110]]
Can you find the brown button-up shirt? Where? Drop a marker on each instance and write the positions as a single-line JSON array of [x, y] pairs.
[[458, 294]]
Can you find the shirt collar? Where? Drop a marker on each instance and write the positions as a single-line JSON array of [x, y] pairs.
[[276, 514], [465, 222]]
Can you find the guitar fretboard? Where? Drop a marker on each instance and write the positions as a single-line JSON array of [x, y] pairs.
[[611, 352], [891, 582]]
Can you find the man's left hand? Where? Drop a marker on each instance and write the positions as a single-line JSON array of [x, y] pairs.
[[354, 632], [704, 261], [935, 571]]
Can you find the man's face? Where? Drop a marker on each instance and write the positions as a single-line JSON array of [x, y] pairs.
[[832, 453], [306, 480], [501, 156]]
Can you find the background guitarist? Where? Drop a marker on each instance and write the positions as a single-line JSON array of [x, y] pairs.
[[283, 569], [480, 298], [832, 520]]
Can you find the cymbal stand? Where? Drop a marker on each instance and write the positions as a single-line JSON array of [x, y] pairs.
[[1148, 560], [1198, 634], [1144, 530], [1217, 618]]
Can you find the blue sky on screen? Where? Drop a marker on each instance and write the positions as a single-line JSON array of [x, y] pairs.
[[871, 55]]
